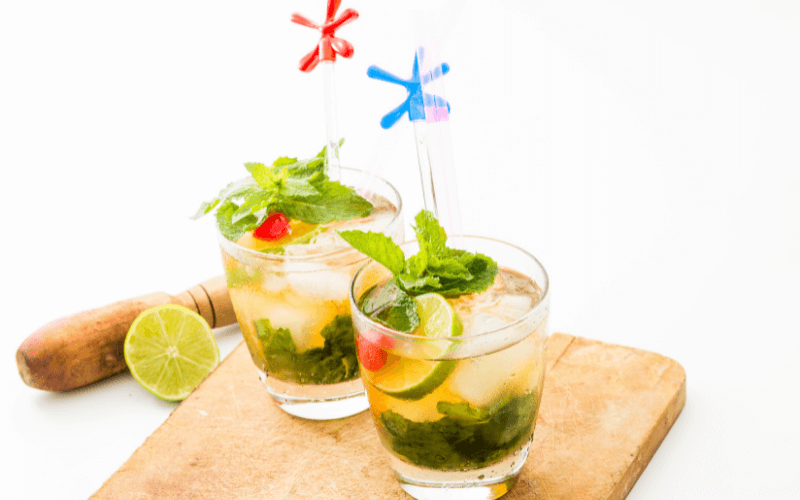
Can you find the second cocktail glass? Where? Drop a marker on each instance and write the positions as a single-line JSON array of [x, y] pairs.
[[294, 313]]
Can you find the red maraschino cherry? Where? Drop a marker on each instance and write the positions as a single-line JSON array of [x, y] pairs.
[[274, 228], [372, 357]]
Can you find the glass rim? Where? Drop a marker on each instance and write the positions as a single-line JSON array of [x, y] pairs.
[[318, 256], [535, 310]]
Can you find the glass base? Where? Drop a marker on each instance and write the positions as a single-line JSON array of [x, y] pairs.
[[483, 484], [319, 408]]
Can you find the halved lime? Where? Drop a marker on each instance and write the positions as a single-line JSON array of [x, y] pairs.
[[413, 379], [170, 350]]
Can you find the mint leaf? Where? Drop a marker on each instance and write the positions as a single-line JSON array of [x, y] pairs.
[[335, 202], [415, 285], [377, 246], [298, 187], [284, 160], [238, 277], [273, 250], [263, 175], [450, 269], [463, 411], [430, 234], [483, 270], [465, 437], [274, 338], [257, 200], [205, 207], [313, 170], [229, 229], [391, 306], [416, 264], [208, 206], [334, 362]]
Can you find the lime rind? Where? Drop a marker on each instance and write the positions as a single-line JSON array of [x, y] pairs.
[[169, 350]]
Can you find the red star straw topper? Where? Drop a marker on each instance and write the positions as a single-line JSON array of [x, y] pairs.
[[328, 45]]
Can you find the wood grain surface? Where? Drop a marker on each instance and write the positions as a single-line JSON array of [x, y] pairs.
[[605, 410]]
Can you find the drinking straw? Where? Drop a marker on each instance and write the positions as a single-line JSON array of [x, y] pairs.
[[325, 52], [429, 113]]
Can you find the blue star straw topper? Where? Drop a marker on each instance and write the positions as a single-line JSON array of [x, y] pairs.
[[429, 115], [417, 100]]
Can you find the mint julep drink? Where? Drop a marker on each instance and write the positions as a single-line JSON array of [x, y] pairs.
[[289, 274], [452, 344]]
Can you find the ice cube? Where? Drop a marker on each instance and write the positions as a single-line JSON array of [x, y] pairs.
[[274, 282], [306, 279], [484, 379], [482, 322], [299, 322], [328, 241], [512, 307]]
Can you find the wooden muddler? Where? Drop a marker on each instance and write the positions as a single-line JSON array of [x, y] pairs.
[[87, 347]]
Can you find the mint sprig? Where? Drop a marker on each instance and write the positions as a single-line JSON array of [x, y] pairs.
[[300, 189], [435, 268]]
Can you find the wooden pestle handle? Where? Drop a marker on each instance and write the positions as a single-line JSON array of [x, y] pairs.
[[87, 347]]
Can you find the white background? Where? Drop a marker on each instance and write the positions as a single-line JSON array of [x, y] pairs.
[[648, 154]]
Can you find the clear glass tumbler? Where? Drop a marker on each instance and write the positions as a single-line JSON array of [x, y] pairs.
[[294, 312], [457, 413]]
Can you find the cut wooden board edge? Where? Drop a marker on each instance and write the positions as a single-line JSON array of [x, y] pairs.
[[651, 445], [660, 430]]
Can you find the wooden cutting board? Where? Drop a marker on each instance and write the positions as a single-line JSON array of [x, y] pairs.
[[605, 410]]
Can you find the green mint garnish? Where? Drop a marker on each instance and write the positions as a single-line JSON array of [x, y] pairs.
[[333, 203], [391, 306], [238, 276], [466, 436], [334, 362], [300, 189], [377, 246], [274, 339], [273, 250], [435, 268]]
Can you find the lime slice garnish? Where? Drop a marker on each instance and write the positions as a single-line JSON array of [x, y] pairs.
[[413, 379], [437, 318], [170, 350]]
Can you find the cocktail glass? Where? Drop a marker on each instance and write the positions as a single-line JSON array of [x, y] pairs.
[[300, 298], [457, 413]]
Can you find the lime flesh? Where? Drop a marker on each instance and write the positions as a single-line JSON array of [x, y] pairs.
[[413, 379], [169, 350]]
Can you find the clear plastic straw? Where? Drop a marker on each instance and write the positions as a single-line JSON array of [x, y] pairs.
[[425, 173], [437, 165], [331, 121]]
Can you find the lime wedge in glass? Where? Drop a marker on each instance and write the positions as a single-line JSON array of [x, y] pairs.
[[170, 350], [413, 379]]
